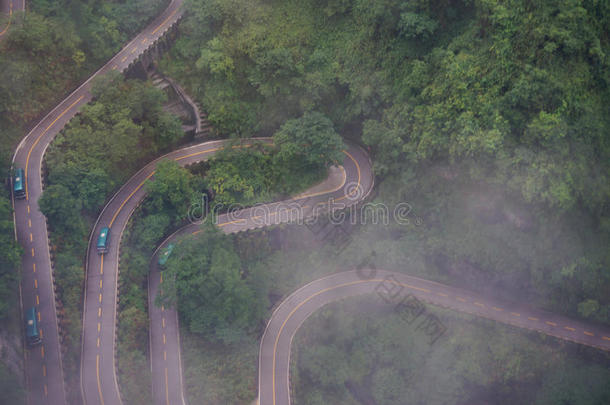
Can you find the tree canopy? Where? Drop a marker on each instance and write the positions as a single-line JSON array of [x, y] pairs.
[[204, 280]]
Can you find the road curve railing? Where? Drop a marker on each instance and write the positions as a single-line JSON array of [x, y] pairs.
[[274, 355], [43, 363]]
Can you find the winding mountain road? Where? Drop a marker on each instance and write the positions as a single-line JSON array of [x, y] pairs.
[[98, 370], [274, 356], [44, 371]]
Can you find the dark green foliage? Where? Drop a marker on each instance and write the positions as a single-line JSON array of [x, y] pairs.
[[87, 162], [303, 149], [173, 189], [204, 279], [10, 387], [308, 143], [243, 175], [10, 258]]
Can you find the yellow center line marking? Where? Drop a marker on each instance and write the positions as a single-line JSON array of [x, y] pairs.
[[42, 351], [46, 390], [99, 326], [460, 299], [144, 40], [355, 190], [135, 48], [99, 384], [162, 307], [550, 323], [166, 388], [10, 14], [38, 316], [277, 338], [237, 221], [102, 265], [497, 309], [531, 318], [479, 304], [99, 312], [606, 338], [164, 355], [199, 153], [164, 338], [28, 209], [35, 283], [44, 370], [100, 283], [442, 294], [32, 252], [100, 297], [588, 333], [41, 335], [415, 288], [128, 197], [164, 21], [31, 237], [115, 67], [29, 223], [570, 329], [98, 342], [27, 159], [34, 267], [124, 59], [515, 313], [37, 300], [163, 322]]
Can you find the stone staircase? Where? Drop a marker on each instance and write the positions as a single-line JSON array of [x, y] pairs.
[[195, 120]]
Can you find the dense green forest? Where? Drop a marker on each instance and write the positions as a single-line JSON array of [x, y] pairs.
[[490, 118], [361, 351]]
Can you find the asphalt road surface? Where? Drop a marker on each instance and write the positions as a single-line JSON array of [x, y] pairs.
[[274, 357], [44, 373], [8, 7]]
